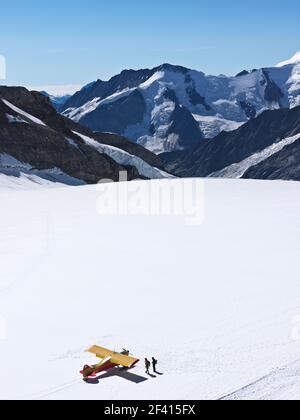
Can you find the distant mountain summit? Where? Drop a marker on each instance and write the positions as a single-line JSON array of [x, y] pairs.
[[57, 101], [172, 108], [294, 60]]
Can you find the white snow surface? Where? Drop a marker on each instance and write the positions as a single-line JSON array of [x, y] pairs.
[[281, 384], [217, 304], [237, 170], [23, 113], [25, 182]]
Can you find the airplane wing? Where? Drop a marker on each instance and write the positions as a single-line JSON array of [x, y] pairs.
[[115, 358]]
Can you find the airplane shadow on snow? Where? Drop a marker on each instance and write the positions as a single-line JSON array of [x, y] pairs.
[[124, 374]]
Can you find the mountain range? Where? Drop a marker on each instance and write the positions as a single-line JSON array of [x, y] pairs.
[[173, 108], [160, 123], [40, 145]]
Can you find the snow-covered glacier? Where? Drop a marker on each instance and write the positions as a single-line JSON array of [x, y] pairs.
[[217, 304]]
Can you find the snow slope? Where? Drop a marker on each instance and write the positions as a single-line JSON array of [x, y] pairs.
[[237, 170], [125, 158], [23, 113], [281, 384], [212, 126], [17, 175], [294, 60], [26, 182], [218, 304]]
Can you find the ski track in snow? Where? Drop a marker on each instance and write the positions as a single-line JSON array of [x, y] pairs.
[[52, 391]]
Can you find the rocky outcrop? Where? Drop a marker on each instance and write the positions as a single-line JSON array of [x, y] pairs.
[[284, 165], [273, 93], [117, 116], [228, 148], [185, 127], [101, 89], [33, 133]]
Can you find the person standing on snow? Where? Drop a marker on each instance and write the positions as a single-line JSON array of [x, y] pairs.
[[154, 364], [147, 366]]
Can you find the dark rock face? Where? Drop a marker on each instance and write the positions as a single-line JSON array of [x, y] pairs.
[[55, 145], [242, 73], [33, 103], [272, 92], [245, 72], [172, 68], [233, 147], [117, 116], [101, 89], [185, 127], [170, 95], [126, 79], [195, 97], [284, 165], [249, 109], [152, 130], [183, 124]]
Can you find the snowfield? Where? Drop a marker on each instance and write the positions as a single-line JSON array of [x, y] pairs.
[[218, 304]]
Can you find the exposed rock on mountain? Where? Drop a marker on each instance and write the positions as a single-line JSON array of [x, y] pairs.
[[148, 106], [36, 140], [267, 147]]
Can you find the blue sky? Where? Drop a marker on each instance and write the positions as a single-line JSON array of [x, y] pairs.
[[74, 42]]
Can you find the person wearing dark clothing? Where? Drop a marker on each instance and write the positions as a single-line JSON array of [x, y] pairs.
[[147, 366], [154, 364]]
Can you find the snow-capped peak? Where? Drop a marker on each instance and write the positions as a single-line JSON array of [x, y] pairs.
[[294, 60]]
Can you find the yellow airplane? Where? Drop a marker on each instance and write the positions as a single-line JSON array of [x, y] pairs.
[[109, 359]]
